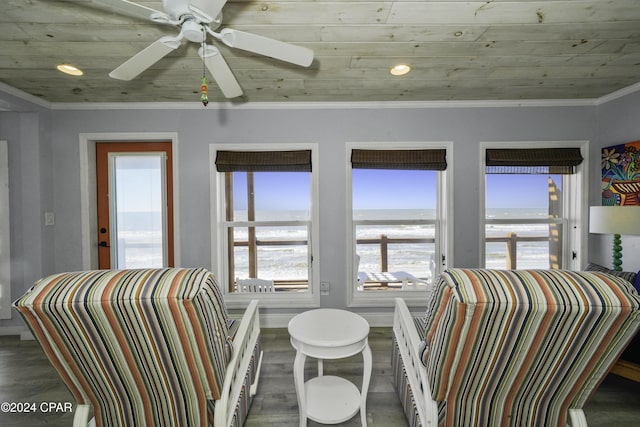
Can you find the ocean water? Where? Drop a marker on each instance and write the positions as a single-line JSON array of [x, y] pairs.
[[529, 254], [141, 237]]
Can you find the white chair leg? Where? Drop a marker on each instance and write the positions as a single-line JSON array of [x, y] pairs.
[[577, 418], [254, 387]]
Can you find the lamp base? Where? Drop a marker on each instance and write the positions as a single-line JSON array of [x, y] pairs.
[[617, 252]]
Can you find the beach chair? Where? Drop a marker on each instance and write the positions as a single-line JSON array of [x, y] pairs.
[[501, 348], [255, 285], [148, 347]]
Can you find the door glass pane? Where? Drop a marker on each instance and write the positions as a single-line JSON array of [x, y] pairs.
[[138, 211]]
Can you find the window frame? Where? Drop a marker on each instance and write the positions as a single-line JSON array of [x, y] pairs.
[[575, 203], [219, 261], [443, 224]]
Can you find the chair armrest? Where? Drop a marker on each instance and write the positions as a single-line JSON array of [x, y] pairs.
[[403, 325], [577, 418], [243, 345], [81, 417], [404, 330]]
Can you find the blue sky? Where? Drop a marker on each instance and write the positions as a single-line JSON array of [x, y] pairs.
[[388, 189], [507, 191], [373, 189], [269, 188], [385, 189]]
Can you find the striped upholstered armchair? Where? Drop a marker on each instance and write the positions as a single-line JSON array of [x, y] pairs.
[[511, 348], [151, 347]]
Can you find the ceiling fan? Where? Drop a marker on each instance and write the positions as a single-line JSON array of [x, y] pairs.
[[197, 19]]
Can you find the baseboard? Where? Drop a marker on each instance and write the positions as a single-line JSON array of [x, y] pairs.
[[379, 320], [21, 331], [375, 320], [627, 370]]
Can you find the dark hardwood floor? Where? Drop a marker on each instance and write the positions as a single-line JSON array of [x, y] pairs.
[[27, 377]]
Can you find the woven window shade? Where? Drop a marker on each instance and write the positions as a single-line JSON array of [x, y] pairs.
[[399, 159], [533, 160], [264, 161]]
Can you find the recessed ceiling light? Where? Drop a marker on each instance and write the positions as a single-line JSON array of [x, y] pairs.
[[400, 70], [69, 69]]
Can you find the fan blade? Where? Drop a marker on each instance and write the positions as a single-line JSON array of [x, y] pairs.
[[146, 58], [129, 8], [268, 47], [220, 71], [206, 10]]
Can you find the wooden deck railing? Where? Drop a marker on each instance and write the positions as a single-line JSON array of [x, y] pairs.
[[280, 285], [384, 243], [511, 240]]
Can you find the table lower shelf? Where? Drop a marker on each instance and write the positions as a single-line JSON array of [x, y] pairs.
[[331, 399]]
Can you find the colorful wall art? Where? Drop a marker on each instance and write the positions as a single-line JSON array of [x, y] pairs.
[[621, 175]]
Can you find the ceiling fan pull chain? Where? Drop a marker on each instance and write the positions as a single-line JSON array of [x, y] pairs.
[[204, 88], [205, 96]]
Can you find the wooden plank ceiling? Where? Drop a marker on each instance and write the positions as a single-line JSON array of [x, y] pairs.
[[458, 50]]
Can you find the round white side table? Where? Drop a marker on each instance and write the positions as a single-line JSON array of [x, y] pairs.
[[330, 334]]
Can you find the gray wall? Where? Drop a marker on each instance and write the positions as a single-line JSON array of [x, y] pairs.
[[331, 129], [619, 122], [30, 195], [45, 158]]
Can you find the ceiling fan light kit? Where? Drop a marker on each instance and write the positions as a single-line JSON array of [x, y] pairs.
[[195, 18]]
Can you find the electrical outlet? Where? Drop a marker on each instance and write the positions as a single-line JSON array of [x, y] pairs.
[[325, 288], [49, 218]]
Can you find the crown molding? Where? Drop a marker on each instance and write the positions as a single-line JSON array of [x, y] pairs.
[[619, 94], [324, 105], [6, 105], [525, 103]]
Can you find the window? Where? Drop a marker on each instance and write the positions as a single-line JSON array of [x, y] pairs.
[[532, 200], [397, 219], [266, 220]]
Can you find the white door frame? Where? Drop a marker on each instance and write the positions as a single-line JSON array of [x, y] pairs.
[[88, 184], [5, 232]]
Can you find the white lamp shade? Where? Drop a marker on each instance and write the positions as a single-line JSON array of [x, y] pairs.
[[614, 219]]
